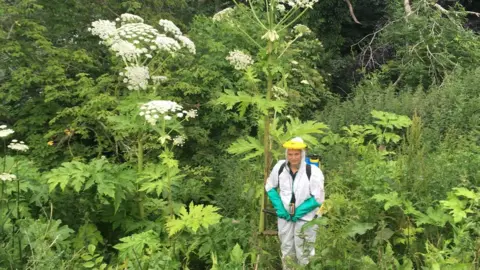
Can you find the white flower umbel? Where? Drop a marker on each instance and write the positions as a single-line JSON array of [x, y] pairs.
[[281, 8], [179, 140], [299, 3], [103, 28], [5, 132], [239, 60], [7, 177], [128, 51], [221, 15], [191, 114], [301, 30], [170, 27], [167, 43], [164, 139], [271, 35], [155, 109], [279, 92], [159, 79], [187, 43], [134, 38], [18, 146], [304, 82], [137, 77], [130, 18]]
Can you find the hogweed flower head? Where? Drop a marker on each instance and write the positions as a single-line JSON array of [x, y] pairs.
[[18, 146], [179, 140], [167, 43], [5, 132], [239, 60], [299, 3], [187, 43], [221, 15], [130, 18], [271, 35], [159, 79], [7, 177], [191, 114], [136, 42], [136, 77], [153, 110], [103, 28], [301, 30], [170, 27]]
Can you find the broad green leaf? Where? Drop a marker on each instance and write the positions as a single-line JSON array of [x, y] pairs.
[[236, 255], [89, 264], [360, 228], [249, 146], [197, 216], [390, 199], [466, 193]]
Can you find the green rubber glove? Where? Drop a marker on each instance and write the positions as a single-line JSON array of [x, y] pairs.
[[278, 205], [306, 207]]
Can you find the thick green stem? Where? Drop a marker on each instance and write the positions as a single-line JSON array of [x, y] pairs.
[[141, 195], [18, 217], [170, 199], [266, 136]]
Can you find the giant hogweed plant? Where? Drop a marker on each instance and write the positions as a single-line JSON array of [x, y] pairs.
[[266, 75], [143, 50], [141, 124]]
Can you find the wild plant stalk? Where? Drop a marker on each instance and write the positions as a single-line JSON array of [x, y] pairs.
[[141, 195]]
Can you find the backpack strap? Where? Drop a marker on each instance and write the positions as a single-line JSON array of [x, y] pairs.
[[308, 168], [280, 170], [309, 171]]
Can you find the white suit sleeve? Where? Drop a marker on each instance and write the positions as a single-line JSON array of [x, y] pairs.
[[316, 185], [272, 181]]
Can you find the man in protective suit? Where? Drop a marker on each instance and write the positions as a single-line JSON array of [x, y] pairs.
[[296, 202]]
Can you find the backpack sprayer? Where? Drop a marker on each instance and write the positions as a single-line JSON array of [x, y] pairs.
[[313, 159]]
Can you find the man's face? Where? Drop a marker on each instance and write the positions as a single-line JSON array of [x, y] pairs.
[[294, 157]]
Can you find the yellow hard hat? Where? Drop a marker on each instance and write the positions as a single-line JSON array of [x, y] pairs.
[[295, 143]]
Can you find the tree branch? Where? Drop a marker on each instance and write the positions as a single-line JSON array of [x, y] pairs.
[[408, 8], [350, 8], [443, 10]]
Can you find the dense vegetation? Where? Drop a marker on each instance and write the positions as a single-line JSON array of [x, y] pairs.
[[97, 175]]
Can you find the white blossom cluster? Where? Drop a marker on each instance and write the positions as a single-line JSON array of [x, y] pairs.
[[279, 92], [136, 77], [159, 79], [103, 28], [18, 146], [170, 27], [164, 109], [129, 18], [168, 44], [239, 60], [5, 132], [136, 42], [179, 140], [7, 177], [187, 43], [301, 30], [222, 14], [299, 3], [281, 8]]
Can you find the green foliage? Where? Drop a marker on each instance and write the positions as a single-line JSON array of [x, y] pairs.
[[230, 99], [109, 180], [196, 217]]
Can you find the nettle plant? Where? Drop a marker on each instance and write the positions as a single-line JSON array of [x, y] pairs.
[[266, 75]]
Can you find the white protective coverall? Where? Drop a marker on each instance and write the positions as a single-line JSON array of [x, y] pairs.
[[294, 243]]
